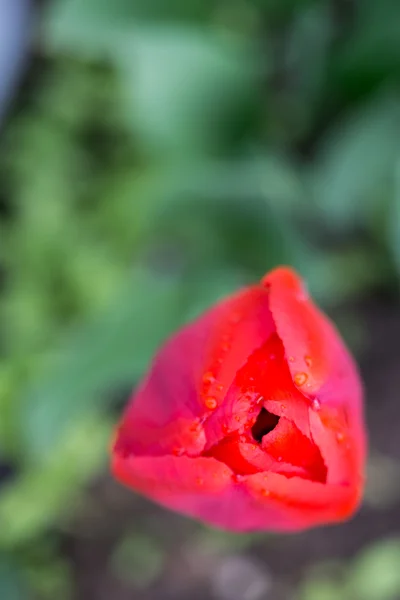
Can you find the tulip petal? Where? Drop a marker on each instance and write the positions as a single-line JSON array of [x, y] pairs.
[[319, 362], [301, 503], [190, 374], [250, 417]]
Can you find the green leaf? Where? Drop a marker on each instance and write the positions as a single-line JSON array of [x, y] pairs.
[[236, 212], [393, 223], [138, 560], [355, 161], [94, 26], [100, 357], [46, 491], [12, 584], [185, 86], [321, 589], [375, 574], [371, 54]]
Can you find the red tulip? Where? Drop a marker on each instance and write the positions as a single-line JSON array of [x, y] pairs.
[[250, 417]]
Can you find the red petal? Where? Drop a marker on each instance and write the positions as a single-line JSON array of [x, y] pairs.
[[205, 489], [301, 503], [288, 444], [319, 362], [191, 373], [267, 346]]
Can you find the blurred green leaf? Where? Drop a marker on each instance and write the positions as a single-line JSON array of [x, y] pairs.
[[375, 574], [355, 161], [185, 86], [230, 212], [109, 352], [46, 492], [93, 24], [370, 56], [12, 585], [336, 277], [138, 560], [322, 589], [393, 221]]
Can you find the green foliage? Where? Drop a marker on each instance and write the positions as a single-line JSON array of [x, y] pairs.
[[166, 153], [373, 575]]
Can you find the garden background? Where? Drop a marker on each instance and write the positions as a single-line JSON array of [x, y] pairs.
[[155, 155]]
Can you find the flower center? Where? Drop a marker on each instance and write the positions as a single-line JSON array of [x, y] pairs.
[[264, 424]]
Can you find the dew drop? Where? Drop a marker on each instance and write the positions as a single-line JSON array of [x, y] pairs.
[[219, 387], [291, 358], [283, 407], [340, 436], [272, 356], [300, 378], [279, 459], [308, 360], [265, 492], [225, 428], [208, 377], [238, 418], [237, 478], [211, 403], [316, 404]]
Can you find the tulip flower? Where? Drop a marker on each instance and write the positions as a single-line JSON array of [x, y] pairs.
[[250, 417]]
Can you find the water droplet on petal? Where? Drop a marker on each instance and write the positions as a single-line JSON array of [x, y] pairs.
[[265, 492], [300, 378], [219, 387], [283, 406], [340, 436], [291, 358], [211, 403], [272, 356], [225, 428], [316, 404], [208, 377], [308, 360], [279, 459], [237, 478]]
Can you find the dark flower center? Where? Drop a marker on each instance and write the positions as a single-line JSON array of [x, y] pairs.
[[264, 424]]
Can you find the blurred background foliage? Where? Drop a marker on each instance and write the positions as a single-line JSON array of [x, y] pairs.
[[155, 155]]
